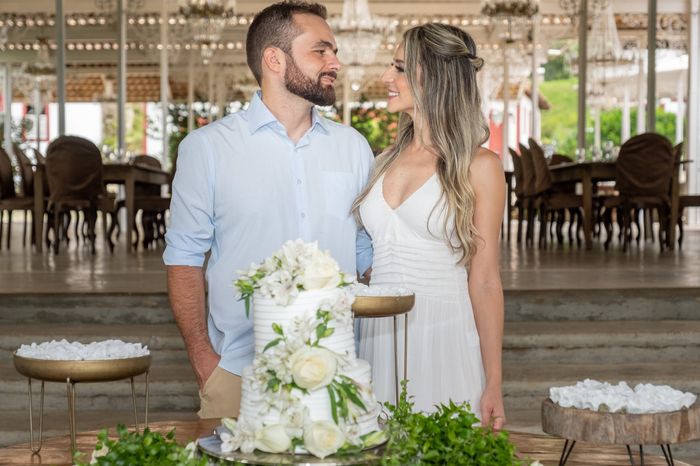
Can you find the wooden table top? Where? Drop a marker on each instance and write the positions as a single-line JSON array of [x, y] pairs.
[[547, 450]]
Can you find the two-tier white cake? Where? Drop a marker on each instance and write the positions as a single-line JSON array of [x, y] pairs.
[[306, 390]]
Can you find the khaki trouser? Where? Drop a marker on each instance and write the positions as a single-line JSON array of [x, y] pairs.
[[221, 395]]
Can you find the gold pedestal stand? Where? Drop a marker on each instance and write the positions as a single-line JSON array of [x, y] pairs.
[[72, 372], [389, 306]]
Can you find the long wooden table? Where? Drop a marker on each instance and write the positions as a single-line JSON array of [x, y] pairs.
[[589, 173], [544, 448], [117, 173]]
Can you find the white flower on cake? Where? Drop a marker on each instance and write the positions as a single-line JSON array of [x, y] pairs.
[[323, 438], [242, 436], [272, 439], [321, 273], [313, 368]]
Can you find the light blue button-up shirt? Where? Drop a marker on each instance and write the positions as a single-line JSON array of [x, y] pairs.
[[242, 188]]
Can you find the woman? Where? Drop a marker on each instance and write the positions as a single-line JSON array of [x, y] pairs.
[[433, 208]]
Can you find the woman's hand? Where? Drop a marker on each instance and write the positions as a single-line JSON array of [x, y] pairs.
[[492, 411]]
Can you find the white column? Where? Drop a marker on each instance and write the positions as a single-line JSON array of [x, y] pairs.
[[680, 107], [506, 109], [36, 97], [7, 102], [582, 73], [640, 96], [596, 124], [121, 78], [221, 94], [164, 85], [210, 89], [651, 66], [536, 127], [61, 67], [190, 92], [626, 122], [694, 105]]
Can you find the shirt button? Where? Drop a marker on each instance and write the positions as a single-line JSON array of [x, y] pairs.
[[303, 215]]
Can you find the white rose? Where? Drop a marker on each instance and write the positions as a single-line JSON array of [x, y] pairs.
[[536, 463], [322, 272], [272, 439], [323, 438], [313, 368]]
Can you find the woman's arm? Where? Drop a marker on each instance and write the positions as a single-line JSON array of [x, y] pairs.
[[485, 289]]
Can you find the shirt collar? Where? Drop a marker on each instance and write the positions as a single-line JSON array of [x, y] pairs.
[[259, 115]]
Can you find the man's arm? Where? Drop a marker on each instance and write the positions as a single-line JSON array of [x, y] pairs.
[[188, 239], [187, 300]]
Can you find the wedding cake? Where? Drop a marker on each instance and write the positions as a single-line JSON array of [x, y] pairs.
[[306, 391]]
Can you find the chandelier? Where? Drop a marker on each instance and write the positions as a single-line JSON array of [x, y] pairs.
[[513, 17], [42, 71], [604, 45], [573, 7], [359, 36], [206, 20], [607, 58]]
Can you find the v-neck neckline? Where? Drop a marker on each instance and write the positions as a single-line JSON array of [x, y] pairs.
[[394, 209]]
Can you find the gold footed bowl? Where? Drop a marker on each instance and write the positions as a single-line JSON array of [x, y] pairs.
[[382, 306], [103, 370]]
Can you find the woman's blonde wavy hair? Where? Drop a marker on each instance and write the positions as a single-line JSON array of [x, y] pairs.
[[441, 66]]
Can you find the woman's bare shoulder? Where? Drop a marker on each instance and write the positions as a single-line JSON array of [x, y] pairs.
[[486, 163]]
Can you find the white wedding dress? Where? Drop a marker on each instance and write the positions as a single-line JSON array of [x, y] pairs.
[[444, 357]]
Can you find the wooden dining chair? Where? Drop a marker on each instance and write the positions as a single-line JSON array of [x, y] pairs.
[[9, 200], [529, 192], [643, 175], [74, 173], [553, 203]]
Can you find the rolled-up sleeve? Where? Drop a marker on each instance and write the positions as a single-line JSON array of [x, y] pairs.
[[191, 229]]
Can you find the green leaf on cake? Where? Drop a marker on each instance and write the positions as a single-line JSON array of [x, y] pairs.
[[351, 392], [320, 331], [277, 329], [274, 342], [334, 405]]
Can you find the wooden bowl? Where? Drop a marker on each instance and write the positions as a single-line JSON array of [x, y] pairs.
[[81, 371], [382, 306], [621, 428]]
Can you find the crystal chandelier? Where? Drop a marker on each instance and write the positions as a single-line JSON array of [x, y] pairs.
[[42, 71], [206, 18], [513, 17], [606, 56], [604, 45], [573, 7], [359, 34]]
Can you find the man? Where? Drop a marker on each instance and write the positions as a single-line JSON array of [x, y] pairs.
[[248, 182]]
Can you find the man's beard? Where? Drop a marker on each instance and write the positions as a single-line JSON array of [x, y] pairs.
[[299, 84]]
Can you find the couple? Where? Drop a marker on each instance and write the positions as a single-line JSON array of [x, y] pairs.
[[430, 207]]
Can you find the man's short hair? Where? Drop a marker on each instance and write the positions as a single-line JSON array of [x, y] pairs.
[[274, 27]]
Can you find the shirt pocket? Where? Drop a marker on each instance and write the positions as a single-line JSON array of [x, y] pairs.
[[340, 190]]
